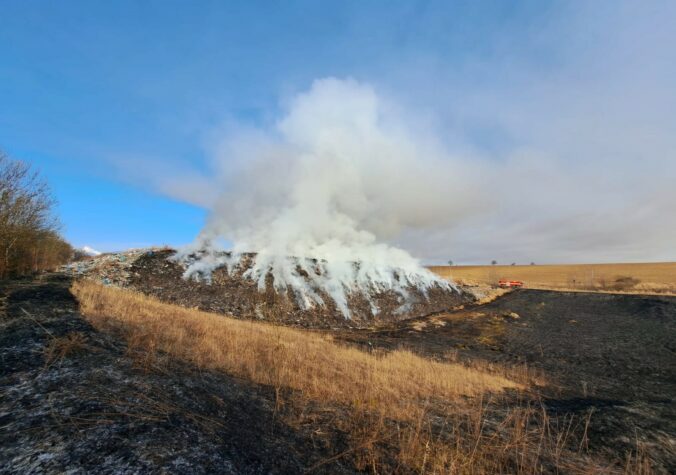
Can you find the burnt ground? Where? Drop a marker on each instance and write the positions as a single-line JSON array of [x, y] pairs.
[[613, 355], [75, 400], [232, 294]]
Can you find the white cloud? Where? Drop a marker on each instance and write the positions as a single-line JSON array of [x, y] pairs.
[[90, 251], [561, 156]]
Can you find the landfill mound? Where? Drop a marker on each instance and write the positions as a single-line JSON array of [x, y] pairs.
[[153, 273], [110, 268]]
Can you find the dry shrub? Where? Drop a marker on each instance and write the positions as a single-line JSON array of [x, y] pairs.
[[625, 283]]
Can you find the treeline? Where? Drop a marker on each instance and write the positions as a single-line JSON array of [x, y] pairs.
[[29, 237]]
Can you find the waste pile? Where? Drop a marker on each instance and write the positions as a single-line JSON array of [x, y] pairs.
[[151, 272], [482, 293], [110, 268]]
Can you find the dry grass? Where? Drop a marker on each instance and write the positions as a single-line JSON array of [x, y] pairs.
[[658, 277], [395, 383], [62, 347], [401, 413]]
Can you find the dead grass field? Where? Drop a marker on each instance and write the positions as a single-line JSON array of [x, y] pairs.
[[657, 277], [403, 413], [395, 382]]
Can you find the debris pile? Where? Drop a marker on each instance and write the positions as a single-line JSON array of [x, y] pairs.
[[151, 271], [483, 293], [231, 292], [110, 268]]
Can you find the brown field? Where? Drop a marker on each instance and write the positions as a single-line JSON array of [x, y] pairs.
[[659, 277]]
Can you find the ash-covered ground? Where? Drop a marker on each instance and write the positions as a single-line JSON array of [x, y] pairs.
[[74, 400]]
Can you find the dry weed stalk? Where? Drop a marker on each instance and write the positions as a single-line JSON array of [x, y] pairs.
[[59, 348]]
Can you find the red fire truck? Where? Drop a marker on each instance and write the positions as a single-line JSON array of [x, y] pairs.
[[506, 284]]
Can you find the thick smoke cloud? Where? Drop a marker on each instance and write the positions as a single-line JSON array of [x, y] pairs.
[[551, 142], [333, 180], [335, 175]]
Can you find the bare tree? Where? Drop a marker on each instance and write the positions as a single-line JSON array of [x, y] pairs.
[[29, 239]]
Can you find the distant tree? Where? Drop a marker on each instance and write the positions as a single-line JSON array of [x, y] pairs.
[[450, 263], [29, 239], [532, 263], [513, 263], [494, 262]]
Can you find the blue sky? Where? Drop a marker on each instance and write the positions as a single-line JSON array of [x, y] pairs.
[[112, 99]]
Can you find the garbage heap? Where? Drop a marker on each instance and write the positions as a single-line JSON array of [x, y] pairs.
[[111, 268], [151, 272]]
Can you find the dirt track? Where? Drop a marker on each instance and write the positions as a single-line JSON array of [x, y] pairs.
[[614, 355]]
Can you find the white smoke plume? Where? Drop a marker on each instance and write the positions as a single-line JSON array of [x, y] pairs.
[[319, 194]]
